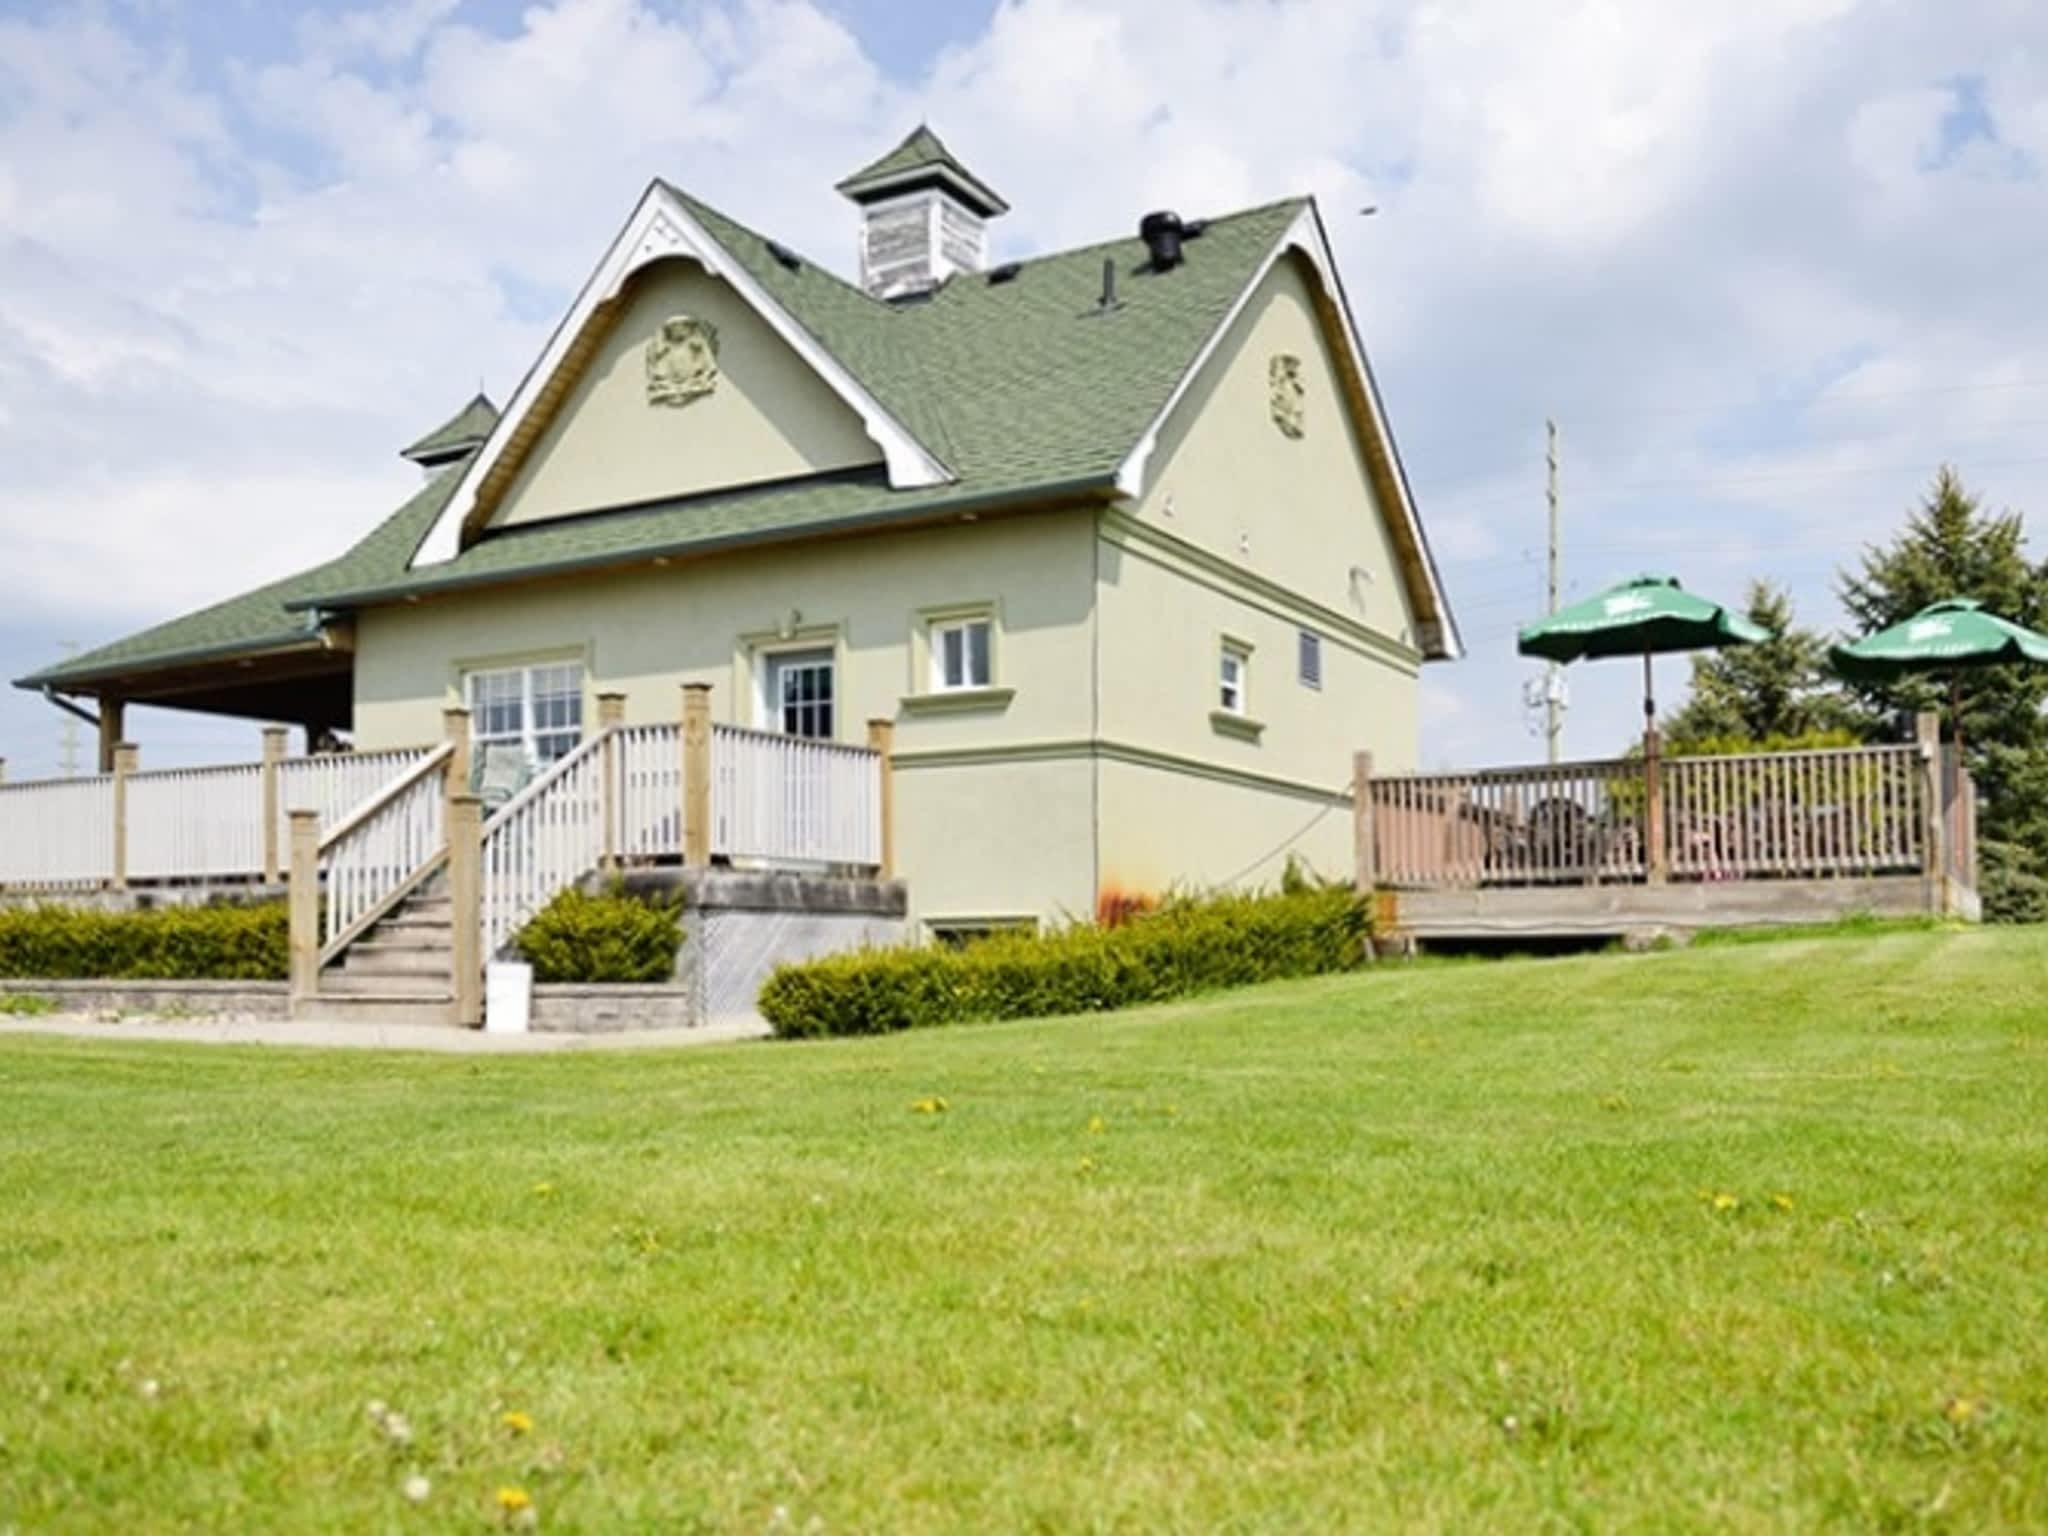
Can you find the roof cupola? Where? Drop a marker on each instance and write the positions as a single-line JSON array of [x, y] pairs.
[[924, 216], [455, 439]]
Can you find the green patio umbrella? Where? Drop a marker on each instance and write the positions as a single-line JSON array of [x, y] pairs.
[[1946, 637], [1648, 616]]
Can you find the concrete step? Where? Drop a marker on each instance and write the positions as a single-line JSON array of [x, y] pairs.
[[372, 1008], [385, 936], [385, 957], [417, 922], [385, 984]]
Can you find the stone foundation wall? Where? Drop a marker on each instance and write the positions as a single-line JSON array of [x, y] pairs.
[[143, 898], [161, 999]]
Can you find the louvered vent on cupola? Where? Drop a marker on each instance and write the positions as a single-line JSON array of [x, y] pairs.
[[924, 216]]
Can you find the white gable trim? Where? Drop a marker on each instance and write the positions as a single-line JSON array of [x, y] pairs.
[[663, 226], [1306, 235]]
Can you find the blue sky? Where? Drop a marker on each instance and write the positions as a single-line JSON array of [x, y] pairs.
[[1768, 262]]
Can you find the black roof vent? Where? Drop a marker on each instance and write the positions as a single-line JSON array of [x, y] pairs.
[[785, 255], [1194, 229], [1162, 233], [1007, 272]]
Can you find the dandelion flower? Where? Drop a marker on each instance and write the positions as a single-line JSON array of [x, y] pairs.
[[1963, 1410], [1096, 1125], [519, 1423], [512, 1501], [932, 1104], [1087, 1165], [1726, 1202], [1782, 1202], [544, 1188], [416, 1489]]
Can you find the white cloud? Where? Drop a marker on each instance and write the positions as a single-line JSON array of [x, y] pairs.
[[223, 306]]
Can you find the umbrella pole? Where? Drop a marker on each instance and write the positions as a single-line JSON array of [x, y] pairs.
[[1653, 779]]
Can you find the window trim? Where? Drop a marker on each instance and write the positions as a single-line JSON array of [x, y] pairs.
[[924, 696], [963, 625], [1228, 649], [750, 670]]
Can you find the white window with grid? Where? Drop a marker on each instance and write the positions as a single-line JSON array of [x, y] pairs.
[[797, 694], [961, 651], [1232, 674], [537, 709]]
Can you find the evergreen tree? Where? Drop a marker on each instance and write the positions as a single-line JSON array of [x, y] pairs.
[[1776, 692], [1952, 547]]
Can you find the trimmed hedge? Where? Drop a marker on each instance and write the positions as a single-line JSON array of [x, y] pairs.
[[224, 943], [1187, 946], [609, 938]]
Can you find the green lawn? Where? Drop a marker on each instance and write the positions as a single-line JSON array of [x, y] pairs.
[[1746, 1238]]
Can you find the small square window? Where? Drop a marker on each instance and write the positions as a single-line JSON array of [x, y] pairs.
[[1311, 659], [1231, 676], [961, 654]]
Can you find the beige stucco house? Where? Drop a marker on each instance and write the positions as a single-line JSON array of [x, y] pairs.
[[1117, 536]]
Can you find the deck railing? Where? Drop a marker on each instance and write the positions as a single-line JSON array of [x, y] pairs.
[[544, 839], [57, 834], [789, 800], [182, 824], [1853, 811]]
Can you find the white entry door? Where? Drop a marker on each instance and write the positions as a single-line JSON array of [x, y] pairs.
[[797, 694]]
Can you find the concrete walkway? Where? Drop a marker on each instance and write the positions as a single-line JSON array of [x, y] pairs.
[[386, 1037]]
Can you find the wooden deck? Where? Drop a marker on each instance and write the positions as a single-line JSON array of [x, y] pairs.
[[1629, 846]]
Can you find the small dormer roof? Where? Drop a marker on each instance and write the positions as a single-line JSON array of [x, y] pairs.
[[456, 436], [921, 160]]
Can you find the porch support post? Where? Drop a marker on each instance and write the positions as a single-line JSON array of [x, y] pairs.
[[882, 739], [302, 905], [1658, 863], [273, 821], [611, 714], [126, 759], [1934, 823], [465, 899], [696, 775], [1364, 852], [113, 717]]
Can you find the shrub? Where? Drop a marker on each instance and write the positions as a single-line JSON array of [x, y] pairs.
[[223, 943], [1186, 946], [578, 937]]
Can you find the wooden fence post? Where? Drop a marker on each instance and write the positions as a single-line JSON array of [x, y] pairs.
[[611, 714], [882, 739], [465, 902], [455, 731], [302, 902], [1934, 841], [273, 828], [127, 757], [1364, 854], [696, 775], [1659, 860]]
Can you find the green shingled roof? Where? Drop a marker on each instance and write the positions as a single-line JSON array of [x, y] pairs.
[[465, 430], [1022, 388], [922, 153]]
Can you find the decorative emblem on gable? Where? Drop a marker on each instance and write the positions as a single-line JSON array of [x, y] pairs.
[[1289, 394], [682, 361]]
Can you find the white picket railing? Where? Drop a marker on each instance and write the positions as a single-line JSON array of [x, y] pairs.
[[383, 850], [337, 783], [649, 762], [543, 840], [792, 800], [196, 823], [57, 834]]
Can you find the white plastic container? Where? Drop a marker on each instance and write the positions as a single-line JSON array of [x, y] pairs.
[[508, 997]]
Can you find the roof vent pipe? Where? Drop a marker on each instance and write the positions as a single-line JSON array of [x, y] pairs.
[[1108, 300], [1161, 233]]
